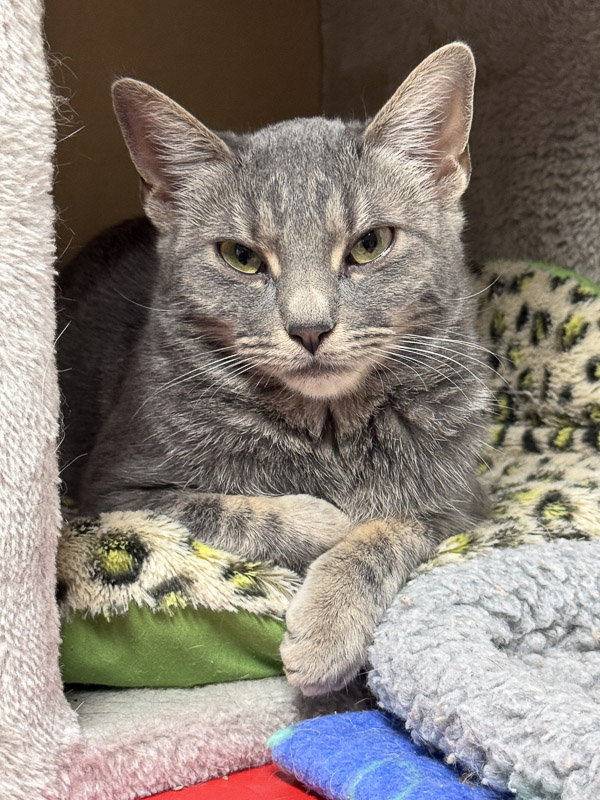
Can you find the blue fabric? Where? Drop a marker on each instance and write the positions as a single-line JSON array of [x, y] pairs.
[[367, 755]]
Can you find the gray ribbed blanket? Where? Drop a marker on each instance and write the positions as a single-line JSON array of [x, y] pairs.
[[496, 662]]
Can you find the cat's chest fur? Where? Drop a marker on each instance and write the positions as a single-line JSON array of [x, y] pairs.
[[333, 466], [240, 448]]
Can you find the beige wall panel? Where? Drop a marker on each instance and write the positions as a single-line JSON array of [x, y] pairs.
[[233, 63]]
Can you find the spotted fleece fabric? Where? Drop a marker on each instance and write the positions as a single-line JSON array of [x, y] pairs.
[[124, 557], [541, 326]]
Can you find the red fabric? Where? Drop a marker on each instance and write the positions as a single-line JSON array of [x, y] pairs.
[[262, 783]]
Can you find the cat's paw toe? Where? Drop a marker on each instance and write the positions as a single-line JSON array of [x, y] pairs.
[[301, 671], [321, 653]]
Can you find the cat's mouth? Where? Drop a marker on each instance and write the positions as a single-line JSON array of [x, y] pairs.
[[317, 369], [320, 380]]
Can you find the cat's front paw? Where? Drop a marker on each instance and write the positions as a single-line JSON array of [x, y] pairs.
[[328, 635]]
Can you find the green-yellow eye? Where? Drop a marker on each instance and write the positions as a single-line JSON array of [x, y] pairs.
[[241, 258], [371, 245]]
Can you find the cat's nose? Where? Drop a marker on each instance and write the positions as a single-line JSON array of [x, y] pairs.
[[309, 337]]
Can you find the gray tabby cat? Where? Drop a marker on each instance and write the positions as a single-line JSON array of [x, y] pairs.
[[281, 354]]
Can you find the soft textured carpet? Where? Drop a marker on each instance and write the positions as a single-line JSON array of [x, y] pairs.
[[36, 725], [138, 742]]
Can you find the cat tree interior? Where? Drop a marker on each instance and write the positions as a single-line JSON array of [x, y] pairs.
[[536, 153]]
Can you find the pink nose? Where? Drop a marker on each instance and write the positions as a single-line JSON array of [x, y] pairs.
[[309, 337]]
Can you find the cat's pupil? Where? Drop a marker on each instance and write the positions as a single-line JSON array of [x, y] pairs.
[[242, 254], [369, 241]]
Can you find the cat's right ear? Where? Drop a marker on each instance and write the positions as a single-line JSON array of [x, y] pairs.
[[166, 143]]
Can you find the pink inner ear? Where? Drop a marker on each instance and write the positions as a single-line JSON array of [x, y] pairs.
[[163, 139], [140, 127], [429, 116], [134, 116], [454, 130]]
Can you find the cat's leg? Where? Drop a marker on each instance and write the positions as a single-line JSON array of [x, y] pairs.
[[289, 530], [332, 619]]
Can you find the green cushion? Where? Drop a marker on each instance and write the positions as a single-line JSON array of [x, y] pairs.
[[190, 647], [145, 604]]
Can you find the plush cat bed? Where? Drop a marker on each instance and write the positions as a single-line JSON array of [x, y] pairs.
[[496, 662], [130, 577], [365, 755], [143, 603]]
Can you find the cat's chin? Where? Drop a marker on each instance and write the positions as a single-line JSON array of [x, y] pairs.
[[324, 386]]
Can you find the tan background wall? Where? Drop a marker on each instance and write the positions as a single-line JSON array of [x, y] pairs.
[[236, 64]]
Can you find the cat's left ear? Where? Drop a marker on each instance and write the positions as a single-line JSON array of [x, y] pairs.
[[429, 118]]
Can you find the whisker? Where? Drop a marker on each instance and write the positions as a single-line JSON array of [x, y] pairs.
[[417, 373], [476, 360], [186, 376], [236, 374], [440, 358], [472, 358], [197, 372], [481, 291], [474, 345], [198, 354], [444, 376], [141, 305]]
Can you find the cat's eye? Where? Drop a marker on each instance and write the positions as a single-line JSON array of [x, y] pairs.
[[371, 245], [241, 258]]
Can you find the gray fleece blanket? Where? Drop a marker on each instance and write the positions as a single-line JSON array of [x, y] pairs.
[[496, 663]]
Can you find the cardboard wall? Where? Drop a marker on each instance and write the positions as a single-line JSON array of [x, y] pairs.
[[233, 63]]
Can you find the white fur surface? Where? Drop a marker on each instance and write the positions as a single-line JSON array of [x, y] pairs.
[[35, 721], [535, 144], [142, 741], [136, 742]]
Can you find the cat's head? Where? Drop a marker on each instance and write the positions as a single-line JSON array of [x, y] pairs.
[[313, 248]]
